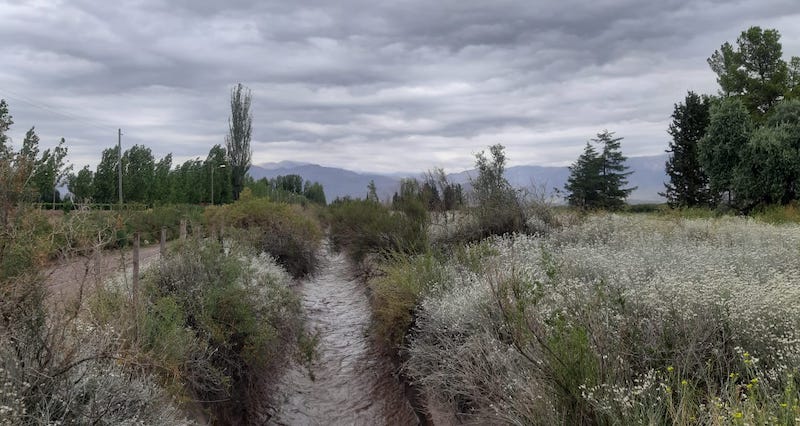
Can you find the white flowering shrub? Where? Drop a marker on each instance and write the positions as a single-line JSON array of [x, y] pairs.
[[84, 384], [213, 324], [620, 320]]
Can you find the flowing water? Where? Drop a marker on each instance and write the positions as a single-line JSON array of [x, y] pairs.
[[353, 384]]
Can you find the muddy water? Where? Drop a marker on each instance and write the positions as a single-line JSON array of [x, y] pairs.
[[352, 384]]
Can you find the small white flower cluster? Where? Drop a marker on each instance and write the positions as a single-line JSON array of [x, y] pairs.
[[646, 292], [12, 407]]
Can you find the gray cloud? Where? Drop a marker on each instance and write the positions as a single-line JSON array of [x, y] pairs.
[[379, 86]]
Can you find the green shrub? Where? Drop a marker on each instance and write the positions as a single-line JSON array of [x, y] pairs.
[[214, 326], [645, 208], [287, 232], [497, 205], [789, 213], [149, 222], [397, 291], [362, 228]]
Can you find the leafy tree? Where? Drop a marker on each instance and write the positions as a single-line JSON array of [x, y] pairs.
[[754, 70], [238, 140], [30, 145], [688, 185], [794, 78], [497, 206], [443, 194], [769, 167], [452, 196], [314, 192], [5, 124], [583, 186], [728, 131], [81, 185], [290, 183], [138, 174], [223, 190], [106, 176], [50, 171], [185, 182], [162, 182]]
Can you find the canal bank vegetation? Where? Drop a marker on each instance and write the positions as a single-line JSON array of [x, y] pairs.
[[212, 323], [206, 329], [202, 339], [517, 312]]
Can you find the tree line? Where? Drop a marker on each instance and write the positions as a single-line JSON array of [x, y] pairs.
[[739, 148], [219, 178]]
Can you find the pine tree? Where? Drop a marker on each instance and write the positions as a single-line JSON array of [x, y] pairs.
[[372, 192], [689, 184], [597, 179], [583, 185], [613, 172]]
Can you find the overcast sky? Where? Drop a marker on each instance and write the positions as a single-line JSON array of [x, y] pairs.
[[384, 86]]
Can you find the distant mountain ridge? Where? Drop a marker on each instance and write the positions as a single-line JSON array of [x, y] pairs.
[[648, 176]]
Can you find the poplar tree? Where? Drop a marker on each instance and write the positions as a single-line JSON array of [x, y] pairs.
[[237, 142]]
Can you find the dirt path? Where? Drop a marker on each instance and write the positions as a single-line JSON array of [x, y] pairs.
[[77, 276], [353, 384]]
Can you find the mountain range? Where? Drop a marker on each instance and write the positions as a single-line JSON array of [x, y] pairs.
[[648, 176]]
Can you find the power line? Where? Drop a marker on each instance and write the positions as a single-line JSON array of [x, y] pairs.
[[92, 123]]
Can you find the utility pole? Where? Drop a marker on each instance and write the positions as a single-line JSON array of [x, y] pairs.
[[119, 163]]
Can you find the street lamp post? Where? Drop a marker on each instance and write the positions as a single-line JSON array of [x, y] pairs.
[[221, 166]]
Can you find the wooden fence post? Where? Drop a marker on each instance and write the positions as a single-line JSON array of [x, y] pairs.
[[136, 272], [163, 247], [183, 229]]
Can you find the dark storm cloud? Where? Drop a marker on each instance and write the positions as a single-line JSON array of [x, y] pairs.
[[396, 85]]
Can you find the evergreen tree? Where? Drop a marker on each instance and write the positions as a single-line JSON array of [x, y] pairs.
[[688, 185], [613, 172], [754, 71], [597, 180], [372, 192], [583, 186]]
